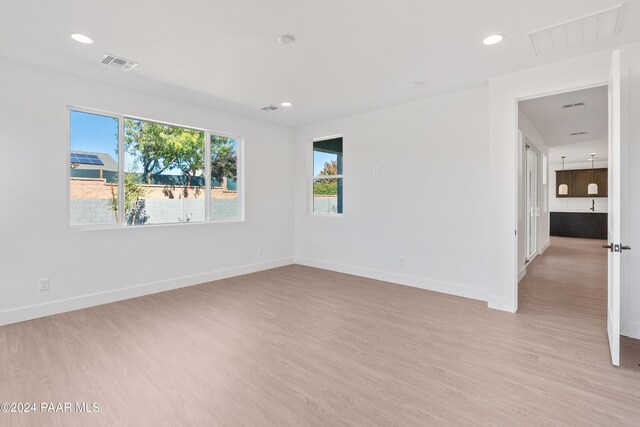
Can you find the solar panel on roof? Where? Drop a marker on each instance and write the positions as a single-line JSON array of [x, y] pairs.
[[86, 159]]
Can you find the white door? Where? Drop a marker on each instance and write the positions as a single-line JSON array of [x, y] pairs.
[[614, 244]]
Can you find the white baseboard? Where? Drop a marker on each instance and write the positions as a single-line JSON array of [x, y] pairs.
[[35, 311], [400, 279], [500, 303], [544, 247], [522, 273], [632, 329]]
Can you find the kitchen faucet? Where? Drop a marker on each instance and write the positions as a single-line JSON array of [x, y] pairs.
[[593, 205]]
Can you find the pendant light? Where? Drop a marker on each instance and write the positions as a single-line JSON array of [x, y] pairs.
[[563, 189], [592, 189]]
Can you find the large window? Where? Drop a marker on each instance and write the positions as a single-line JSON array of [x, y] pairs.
[[166, 173], [327, 176]]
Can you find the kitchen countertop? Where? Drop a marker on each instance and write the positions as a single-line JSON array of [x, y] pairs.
[[578, 211]]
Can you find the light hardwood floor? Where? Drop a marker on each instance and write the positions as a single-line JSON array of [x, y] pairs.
[[301, 346]]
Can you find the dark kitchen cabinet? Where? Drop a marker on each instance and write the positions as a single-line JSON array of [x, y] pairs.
[[565, 177], [578, 181], [579, 224]]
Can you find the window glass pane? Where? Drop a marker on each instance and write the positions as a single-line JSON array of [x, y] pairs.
[[327, 157], [93, 163], [164, 173], [224, 177], [327, 195]]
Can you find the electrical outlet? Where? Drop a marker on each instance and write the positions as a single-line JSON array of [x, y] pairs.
[[401, 261], [375, 170], [43, 285]]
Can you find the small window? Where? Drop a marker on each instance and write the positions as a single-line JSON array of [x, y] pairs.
[[164, 173], [93, 165], [327, 176], [224, 177]]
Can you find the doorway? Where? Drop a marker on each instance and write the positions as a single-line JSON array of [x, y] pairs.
[[505, 92], [563, 193]]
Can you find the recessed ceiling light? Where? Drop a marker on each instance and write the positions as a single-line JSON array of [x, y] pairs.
[[493, 39], [415, 85], [286, 104], [81, 38], [286, 39]]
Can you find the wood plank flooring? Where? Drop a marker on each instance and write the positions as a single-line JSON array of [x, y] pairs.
[[307, 347]]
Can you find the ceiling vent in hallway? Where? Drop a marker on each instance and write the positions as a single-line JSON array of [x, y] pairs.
[[270, 108], [119, 63], [588, 29], [577, 104]]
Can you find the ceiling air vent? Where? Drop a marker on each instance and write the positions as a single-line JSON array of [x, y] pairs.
[[577, 104], [270, 108], [577, 133], [119, 63], [588, 29]]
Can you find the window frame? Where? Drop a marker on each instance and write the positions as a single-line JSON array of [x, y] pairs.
[[316, 177], [121, 224]]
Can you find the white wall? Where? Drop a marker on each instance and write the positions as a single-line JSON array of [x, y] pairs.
[[428, 204], [533, 137], [630, 306], [91, 267]]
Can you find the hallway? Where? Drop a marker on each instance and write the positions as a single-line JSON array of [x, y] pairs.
[[565, 289]]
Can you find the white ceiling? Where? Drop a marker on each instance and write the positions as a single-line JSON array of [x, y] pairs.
[[578, 153], [556, 124], [350, 56]]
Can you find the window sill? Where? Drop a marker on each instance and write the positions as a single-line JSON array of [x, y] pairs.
[[80, 227]]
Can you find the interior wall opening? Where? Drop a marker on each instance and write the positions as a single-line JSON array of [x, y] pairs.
[[563, 141]]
